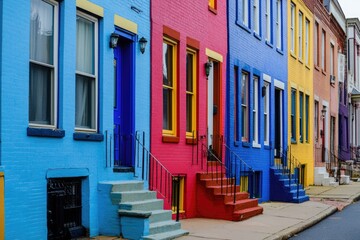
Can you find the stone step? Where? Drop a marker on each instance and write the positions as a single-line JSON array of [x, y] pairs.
[[166, 235], [243, 204], [218, 181], [247, 213], [229, 198], [301, 199], [160, 215], [164, 226], [204, 176], [218, 190], [147, 205], [125, 186], [132, 196]]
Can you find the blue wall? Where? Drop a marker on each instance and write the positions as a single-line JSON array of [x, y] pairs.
[[253, 54], [28, 161]]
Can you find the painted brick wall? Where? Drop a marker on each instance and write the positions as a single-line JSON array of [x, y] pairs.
[[194, 20], [27, 160], [254, 55]]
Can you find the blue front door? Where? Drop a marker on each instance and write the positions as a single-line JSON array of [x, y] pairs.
[[124, 103]]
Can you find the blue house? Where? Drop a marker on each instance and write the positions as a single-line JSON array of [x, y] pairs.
[[256, 87], [75, 90]]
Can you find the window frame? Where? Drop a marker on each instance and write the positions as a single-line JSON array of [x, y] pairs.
[[323, 50], [213, 4], [292, 27], [316, 120], [300, 35], [316, 45], [245, 107], [245, 13], [307, 120], [293, 115], [255, 110], [54, 67], [173, 131], [266, 113], [332, 60], [95, 75], [268, 21], [236, 104], [256, 17], [301, 116], [192, 52], [307, 37]]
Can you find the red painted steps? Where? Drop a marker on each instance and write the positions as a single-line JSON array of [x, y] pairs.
[[212, 202]]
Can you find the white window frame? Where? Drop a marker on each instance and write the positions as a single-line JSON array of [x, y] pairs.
[[278, 24], [316, 44], [255, 111], [54, 66], [307, 32], [292, 28], [245, 135], [300, 34], [256, 16], [95, 76], [332, 53], [268, 19], [245, 12], [266, 84], [323, 50]]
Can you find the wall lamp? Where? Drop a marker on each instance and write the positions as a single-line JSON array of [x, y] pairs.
[[142, 43], [207, 68], [323, 112], [114, 38]]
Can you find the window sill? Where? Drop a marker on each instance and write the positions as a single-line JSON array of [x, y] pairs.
[[301, 61], [45, 132], [280, 51], [293, 55], [269, 43], [316, 67], [84, 136], [256, 35], [307, 66], [323, 72], [170, 139], [213, 10], [246, 144], [246, 28], [256, 145], [190, 141]]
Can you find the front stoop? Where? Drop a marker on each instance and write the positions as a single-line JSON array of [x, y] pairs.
[[141, 214], [214, 201], [285, 190]]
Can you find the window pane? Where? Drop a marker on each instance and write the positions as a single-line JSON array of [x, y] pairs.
[[42, 32], [85, 102], [85, 60], [167, 109], [167, 64], [189, 72], [189, 113], [41, 95]]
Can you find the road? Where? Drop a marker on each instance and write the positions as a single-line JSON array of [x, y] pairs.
[[344, 225]]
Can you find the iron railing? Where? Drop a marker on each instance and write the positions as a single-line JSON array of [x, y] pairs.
[[160, 179]]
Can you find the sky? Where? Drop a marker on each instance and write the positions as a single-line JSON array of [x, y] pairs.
[[351, 8]]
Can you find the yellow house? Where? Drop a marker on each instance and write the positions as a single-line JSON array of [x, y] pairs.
[[300, 88]]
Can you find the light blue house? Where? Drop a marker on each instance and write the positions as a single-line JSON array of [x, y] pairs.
[[71, 103], [256, 87]]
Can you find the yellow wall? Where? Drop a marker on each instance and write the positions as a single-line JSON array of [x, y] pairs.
[[300, 77], [2, 219]]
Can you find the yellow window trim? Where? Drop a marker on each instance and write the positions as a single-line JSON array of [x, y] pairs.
[[125, 24], [90, 7], [214, 55], [181, 202], [212, 3], [173, 131], [194, 95]]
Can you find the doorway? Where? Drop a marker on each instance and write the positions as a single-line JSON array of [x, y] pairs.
[[124, 107], [278, 122]]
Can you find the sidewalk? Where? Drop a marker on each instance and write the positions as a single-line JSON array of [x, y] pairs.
[[279, 220]]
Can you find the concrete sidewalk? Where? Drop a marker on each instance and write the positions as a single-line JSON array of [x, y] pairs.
[[279, 220]]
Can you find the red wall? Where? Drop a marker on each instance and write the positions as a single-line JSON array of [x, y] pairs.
[[188, 19]]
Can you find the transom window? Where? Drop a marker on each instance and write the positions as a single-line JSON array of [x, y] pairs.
[[43, 83], [191, 66], [86, 97]]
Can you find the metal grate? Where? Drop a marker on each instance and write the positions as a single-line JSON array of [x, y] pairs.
[[64, 208]]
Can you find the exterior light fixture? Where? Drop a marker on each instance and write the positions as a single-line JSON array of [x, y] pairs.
[[114, 38], [207, 68], [142, 43], [323, 112]]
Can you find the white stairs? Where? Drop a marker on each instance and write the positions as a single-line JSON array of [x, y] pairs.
[[322, 178]]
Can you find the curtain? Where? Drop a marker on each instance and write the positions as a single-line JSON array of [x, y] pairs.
[[85, 46]]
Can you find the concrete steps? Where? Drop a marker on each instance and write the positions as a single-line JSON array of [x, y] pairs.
[[322, 178]]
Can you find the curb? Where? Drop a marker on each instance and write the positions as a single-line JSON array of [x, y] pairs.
[[291, 231]]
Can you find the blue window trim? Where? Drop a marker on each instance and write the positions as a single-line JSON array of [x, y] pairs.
[[83, 136], [45, 132], [246, 68], [237, 99], [238, 20]]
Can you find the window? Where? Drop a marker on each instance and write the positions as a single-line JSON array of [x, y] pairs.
[[301, 116], [307, 99], [278, 24], [256, 17], [169, 86], [212, 4], [300, 33], [316, 124], [266, 100], [316, 44], [43, 64], [245, 12], [255, 110], [178, 190], [268, 18], [191, 66], [236, 104], [331, 59], [86, 73], [292, 28], [244, 107], [307, 32], [293, 115], [323, 61]]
